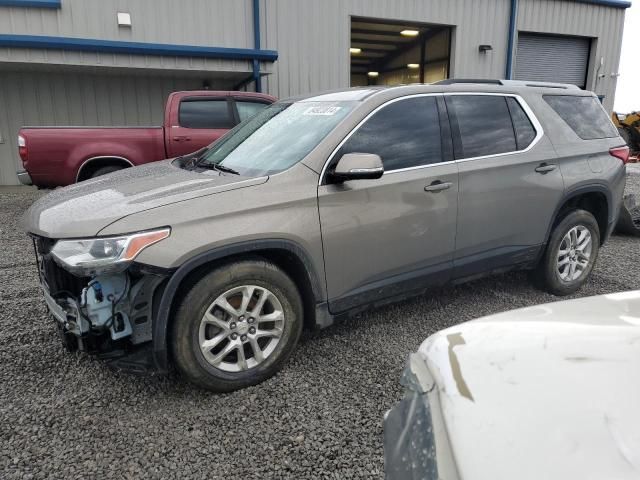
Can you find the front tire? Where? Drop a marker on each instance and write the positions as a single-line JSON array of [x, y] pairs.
[[570, 254], [237, 326]]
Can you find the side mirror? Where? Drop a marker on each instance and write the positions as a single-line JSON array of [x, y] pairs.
[[358, 166]]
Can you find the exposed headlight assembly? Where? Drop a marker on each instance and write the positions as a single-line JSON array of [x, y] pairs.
[[92, 256]]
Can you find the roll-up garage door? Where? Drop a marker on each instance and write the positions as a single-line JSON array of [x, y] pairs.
[[547, 58]]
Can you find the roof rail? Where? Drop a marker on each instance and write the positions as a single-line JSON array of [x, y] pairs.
[[508, 83], [533, 84], [453, 81]]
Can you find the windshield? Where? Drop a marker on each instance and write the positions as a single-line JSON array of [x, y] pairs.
[[277, 137]]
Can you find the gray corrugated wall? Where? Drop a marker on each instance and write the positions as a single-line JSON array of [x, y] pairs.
[[311, 36], [572, 18], [195, 22], [38, 98], [305, 64], [217, 23], [293, 27]]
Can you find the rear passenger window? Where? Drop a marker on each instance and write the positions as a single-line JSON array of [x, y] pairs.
[[525, 133], [205, 114], [484, 123], [405, 134], [584, 115]]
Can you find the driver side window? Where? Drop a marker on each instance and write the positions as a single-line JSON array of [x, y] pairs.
[[405, 133]]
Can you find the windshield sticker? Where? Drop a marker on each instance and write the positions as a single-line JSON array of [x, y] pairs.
[[321, 111]]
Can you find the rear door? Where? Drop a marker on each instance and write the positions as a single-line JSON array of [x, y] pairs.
[[396, 234], [510, 183], [201, 120]]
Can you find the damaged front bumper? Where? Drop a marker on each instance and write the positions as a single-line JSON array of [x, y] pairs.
[[110, 316]]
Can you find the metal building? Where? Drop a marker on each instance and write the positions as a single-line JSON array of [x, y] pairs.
[[113, 62]]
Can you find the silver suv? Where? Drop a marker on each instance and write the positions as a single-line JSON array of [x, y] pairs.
[[320, 206]]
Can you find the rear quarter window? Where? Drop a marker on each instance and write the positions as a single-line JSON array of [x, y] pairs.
[[584, 115]]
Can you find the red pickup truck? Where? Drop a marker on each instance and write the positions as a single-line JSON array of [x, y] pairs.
[[58, 156]]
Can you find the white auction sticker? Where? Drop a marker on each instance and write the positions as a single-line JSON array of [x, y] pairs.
[[321, 110]]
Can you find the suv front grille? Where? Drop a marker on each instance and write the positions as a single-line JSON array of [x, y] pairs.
[[56, 278]]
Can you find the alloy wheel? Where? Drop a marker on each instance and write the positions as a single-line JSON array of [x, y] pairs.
[[241, 328], [574, 253]]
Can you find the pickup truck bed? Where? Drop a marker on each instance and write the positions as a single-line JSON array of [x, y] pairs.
[[58, 156]]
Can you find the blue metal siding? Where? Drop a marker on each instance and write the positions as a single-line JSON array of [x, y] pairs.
[[513, 20], [31, 3], [608, 3], [256, 45], [138, 48]]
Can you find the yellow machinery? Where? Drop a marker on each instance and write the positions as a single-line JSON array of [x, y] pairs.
[[629, 127]]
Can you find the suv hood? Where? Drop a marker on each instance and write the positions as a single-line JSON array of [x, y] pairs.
[[554, 388], [83, 209]]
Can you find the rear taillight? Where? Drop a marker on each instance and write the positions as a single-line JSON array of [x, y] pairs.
[[620, 152], [22, 148]]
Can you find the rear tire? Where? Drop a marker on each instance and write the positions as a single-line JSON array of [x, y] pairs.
[[104, 170], [570, 254], [237, 326]]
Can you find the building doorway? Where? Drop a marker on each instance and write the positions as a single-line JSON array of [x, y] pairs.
[[387, 52]]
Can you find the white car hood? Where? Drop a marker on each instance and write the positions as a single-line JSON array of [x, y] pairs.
[[547, 392]]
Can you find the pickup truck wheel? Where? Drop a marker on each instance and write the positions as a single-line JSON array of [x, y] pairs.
[[570, 255], [237, 326], [104, 170]]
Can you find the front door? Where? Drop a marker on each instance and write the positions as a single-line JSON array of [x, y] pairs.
[[395, 235]]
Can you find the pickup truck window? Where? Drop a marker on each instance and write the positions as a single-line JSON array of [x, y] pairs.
[[201, 113], [248, 109], [277, 137]]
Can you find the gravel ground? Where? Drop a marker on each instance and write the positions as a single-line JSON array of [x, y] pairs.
[[68, 416]]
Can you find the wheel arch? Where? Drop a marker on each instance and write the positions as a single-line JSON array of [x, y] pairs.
[[286, 254], [595, 198], [93, 163]]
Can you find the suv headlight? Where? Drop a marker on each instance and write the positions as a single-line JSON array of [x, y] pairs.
[[90, 256]]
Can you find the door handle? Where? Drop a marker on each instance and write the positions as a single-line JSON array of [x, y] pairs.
[[545, 168], [437, 186], [182, 139]]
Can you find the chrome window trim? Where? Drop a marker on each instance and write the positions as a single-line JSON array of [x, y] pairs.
[[366, 170], [418, 167], [525, 106]]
